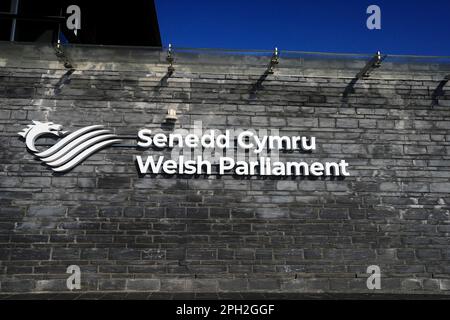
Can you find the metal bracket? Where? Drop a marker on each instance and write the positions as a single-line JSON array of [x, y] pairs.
[[373, 64], [273, 61], [170, 59], [62, 55]]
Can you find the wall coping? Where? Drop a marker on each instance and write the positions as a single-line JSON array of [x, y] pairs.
[[222, 61]]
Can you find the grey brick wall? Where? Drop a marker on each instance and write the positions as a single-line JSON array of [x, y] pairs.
[[209, 234]]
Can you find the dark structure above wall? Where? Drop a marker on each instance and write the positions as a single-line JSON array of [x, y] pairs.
[[103, 23]]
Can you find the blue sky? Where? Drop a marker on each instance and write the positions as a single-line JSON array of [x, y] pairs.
[[407, 27]]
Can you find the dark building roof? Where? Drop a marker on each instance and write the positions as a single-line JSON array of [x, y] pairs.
[[112, 23]]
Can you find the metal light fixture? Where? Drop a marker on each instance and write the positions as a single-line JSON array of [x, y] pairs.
[[273, 61], [62, 55], [171, 115], [374, 63], [170, 60], [378, 59]]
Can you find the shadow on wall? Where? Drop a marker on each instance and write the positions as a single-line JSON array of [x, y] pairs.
[[438, 92], [350, 88], [64, 80], [258, 85]]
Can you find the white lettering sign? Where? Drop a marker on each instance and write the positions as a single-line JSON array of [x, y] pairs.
[[239, 152]]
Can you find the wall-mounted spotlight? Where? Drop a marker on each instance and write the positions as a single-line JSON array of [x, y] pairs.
[[170, 60], [273, 61], [62, 55], [374, 63], [171, 115]]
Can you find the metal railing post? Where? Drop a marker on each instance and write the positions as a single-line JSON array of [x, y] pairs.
[[14, 10]]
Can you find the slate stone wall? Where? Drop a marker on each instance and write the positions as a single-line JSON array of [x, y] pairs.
[[226, 234]]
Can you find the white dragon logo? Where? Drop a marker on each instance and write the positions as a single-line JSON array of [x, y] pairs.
[[70, 150]]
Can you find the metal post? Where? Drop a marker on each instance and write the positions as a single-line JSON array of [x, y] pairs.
[[14, 10], [170, 60], [58, 40], [273, 61]]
